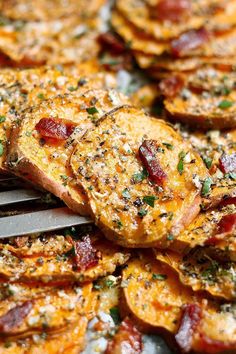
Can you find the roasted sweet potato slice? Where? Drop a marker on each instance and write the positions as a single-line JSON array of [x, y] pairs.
[[135, 39], [165, 63], [53, 313], [206, 110], [88, 259], [217, 150], [206, 230], [32, 86], [42, 143], [72, 340], [47, 10], [72, 41], [134, 202], [145, 17], [157, 299], [201, 273]]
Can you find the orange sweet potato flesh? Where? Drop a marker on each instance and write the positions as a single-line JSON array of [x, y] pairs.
[[142, 15], [156, 299], [31, 87], [47, 164], [61, 268], [203, 230], [118, 205], [215, 277]]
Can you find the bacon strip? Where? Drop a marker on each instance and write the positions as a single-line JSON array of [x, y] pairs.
[[85, 255], [111, 42], [14, 317], [191, 318], [228, 201], [55, 129], [227, 223], [189, 41], [173, 10], [227, 163], [147, 154], [171, 86], [127, 340]]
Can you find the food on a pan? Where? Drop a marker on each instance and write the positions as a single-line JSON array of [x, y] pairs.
[[88, 258], [23, 88], [144, 182], [40, 147], [156, 299], [199, 271], [139, 180]]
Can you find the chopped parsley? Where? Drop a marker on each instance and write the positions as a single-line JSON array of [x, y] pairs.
[[2, 119], [140, 176], [150, 200], [170, 237], [41, 96], [180, 166], [126, 194], [207, 161], [142, 212], [156, 276], [1, 149], [168, 146], [206, 187], [72, 88], [115, 314], [92, 110], [225, 104]]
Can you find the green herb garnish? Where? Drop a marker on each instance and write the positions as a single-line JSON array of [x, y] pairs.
[[159, 276], [180, 166], [206, 187], [126, 194], [140, 176], [1, 149], [92, 110], [115, 314], [150, 200], [142, 212], [225, 104], [207, 161], [2, 119]]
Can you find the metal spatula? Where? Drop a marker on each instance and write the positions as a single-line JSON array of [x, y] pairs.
[[34, 221]]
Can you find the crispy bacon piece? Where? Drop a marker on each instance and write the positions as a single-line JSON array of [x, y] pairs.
[[209, 345], [227, 163], [189, 41], [14, 317], [128, 340], [171, 86], [85, 255], [55, 129], [173, 10], [227, 224], [228, 201], [192, 314], [147, 154], [111, 42]]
